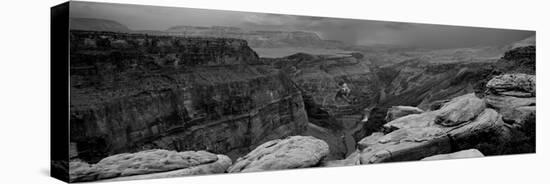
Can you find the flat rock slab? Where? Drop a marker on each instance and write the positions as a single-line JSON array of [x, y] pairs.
[[369, 140], [399, 111], [459, 110], [471, 153], [292, 152], [220, 166], [408, 144], [144, 162], [413, 121]]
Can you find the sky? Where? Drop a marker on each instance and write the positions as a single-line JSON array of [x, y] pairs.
[[352, 31]]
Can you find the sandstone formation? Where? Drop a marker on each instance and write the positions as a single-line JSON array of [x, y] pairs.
[[514, 96], [399, 111], [419, 140], [176, 93], [459, 110], [471, 153], [369, 140], [519, 60], [289, 153], [145, 163]]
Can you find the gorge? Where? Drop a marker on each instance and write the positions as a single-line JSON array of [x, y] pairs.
[[214, 99]]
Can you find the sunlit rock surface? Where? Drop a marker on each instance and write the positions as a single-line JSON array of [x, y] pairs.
[[289, 153]]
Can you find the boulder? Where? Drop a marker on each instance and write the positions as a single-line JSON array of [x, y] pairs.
[[412, 121], [513, 96], [292, 152], [399, 111], [459, 110], [220, 166], [486, 132], [470, 153], [518, 85], [144, 162], [407, 144]]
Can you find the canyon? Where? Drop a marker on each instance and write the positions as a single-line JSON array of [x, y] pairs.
[[138, 91]]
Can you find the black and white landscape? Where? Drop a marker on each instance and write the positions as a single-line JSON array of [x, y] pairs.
[[164, 92]]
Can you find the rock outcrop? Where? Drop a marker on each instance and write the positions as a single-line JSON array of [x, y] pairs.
[[414, 140], [289, 153], [399, 111], [519, 60], [471, 153], [514, 96], [459, 110], [176, 93], [162, 163]]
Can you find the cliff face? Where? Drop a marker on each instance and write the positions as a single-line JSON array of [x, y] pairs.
[[337, 119], [519, 60], [135, 92]]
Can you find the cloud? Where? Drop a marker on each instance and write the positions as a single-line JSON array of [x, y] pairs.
[[363, 32]]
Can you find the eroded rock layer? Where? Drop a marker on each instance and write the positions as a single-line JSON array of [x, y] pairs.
[[132, 92]]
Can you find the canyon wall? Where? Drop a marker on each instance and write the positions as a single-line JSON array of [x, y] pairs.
[[336, 119], [132, 92]]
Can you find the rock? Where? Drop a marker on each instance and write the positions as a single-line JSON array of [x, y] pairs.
[[513, 95], [218, 100], [220, 166], [486, 132], [292, 152], [471, 153], [517, 85], [399, 111], [459, 110], [145, 162], [413, 120], [369, 140], [352, 159], [508, 102], [518, 60], [519, 116], [407, 144]]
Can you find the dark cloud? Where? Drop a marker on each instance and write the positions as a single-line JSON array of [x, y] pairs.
[[363, 32]]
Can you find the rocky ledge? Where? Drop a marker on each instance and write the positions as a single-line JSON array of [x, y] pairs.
[[467, 122], [149, 164], [289, 153]]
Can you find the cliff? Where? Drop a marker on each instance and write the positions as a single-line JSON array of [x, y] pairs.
[[334, 118], [132, 92]]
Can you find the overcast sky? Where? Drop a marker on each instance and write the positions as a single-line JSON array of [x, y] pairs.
[[361, 32]]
